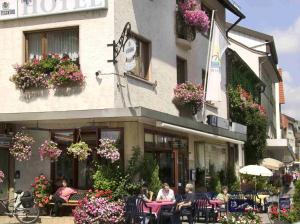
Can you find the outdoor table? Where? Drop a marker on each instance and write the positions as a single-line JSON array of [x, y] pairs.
[[216, 203], [156, 206]]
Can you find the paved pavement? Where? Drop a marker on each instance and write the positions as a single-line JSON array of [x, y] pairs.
[[69, 220]]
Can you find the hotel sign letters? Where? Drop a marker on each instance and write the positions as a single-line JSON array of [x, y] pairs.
[[15, 9]]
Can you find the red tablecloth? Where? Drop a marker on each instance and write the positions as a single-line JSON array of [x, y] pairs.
[[156, 206]]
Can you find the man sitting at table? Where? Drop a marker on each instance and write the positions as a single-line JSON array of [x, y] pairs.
[[184, 208], [165, 194]]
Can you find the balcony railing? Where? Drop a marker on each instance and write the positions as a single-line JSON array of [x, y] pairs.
[[184, 31]]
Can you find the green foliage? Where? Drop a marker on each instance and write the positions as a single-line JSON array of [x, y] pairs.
[[155, 183], [296, 200], [111, 176], [48, 64], [200, 178], [244, 110], [150, 173]]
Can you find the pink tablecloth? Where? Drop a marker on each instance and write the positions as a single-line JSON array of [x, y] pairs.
[[156, 206], [216, 203]]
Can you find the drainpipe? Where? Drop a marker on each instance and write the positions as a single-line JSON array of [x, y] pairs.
[[233, 25]]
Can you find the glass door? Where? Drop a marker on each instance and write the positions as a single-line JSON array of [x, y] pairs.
[[4, 166], [166, 165]]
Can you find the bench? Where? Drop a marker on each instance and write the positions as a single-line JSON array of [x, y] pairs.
[[72, 202]]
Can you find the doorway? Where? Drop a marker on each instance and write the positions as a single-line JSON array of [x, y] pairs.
[[4, 166]]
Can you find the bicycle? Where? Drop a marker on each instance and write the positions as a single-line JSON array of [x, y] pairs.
[[27, 213]]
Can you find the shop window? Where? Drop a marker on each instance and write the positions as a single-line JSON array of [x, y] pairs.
[[79, 173], [142, 57], [61, 42], [171, 154], [181, 70]]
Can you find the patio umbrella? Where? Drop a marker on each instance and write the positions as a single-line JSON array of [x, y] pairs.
[[256, 170], [272, 164]]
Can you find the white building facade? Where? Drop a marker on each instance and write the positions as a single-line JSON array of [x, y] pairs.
[[135, 108]]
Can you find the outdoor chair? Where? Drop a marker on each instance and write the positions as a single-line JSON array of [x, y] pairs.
[[134, 211], [166, 213], [203, 208]]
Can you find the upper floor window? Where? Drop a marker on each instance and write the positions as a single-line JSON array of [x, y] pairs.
[[61, 42], [181, 70], [142, 57]]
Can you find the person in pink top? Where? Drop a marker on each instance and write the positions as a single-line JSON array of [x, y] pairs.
[[62, 195]]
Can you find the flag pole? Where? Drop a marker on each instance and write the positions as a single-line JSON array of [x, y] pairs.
[[208, 61]]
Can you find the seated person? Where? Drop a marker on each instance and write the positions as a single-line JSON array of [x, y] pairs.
[[145, 194], [165, 194], [224, 196], [185, 205], [62, 195]]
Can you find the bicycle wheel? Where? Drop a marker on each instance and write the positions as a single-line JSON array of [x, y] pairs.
[[27, 215]]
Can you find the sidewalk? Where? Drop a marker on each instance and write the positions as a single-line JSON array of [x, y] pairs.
[[43, 220]]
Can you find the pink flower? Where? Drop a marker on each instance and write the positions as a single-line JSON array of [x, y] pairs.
[[49, 150], [194, 16], [108, 150]]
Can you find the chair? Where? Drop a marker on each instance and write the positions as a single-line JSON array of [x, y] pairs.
[[134, 211], [166, 213], [203, 208]]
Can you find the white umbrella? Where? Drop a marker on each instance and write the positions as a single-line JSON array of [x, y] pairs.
[[272, 164], [256, 170]]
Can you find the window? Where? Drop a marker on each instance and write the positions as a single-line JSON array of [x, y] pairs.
[[181, 70], [63, 41], [142, 57]]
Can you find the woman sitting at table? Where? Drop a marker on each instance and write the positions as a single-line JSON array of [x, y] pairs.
[[145, 194], [61, 195], [224, 196], [165, 194]]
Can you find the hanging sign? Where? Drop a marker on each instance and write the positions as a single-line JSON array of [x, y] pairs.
[[130, 48], [130, 64], [15, 9]]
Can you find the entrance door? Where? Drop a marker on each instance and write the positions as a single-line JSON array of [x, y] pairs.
[[4, 166], [172, 168]]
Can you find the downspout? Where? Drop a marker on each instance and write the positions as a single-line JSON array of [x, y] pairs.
[[233, 25]]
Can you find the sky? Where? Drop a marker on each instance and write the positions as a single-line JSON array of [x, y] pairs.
[[281, 19]]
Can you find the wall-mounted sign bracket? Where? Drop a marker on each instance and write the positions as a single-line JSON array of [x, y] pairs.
[[118, 46]]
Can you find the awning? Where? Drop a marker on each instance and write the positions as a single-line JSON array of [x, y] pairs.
[[197, 133], [279, 149]]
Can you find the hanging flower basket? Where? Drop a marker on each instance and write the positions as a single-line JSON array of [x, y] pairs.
[[49, 150], [194, 16], [189, 95], [21, 146], [2, 176], [108, 150], [80, 150]]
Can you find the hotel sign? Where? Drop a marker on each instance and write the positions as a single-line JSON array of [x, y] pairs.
[[16, 9]]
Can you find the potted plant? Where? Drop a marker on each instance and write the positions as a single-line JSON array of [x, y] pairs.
[[108, 150], [194, 16], [189, 95], [80, 150], [50, 71], [21, 146], [41, 191], [50, 150], [66, 73]]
